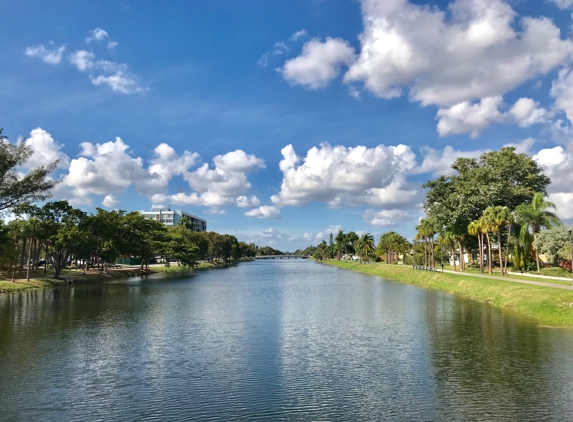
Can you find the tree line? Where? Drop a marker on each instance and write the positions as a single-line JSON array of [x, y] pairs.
[[57, 234], [494, 205], [60, 235]]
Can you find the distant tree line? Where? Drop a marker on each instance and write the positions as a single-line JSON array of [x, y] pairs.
[[57, 234]]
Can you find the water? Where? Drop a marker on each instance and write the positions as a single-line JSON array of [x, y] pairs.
[[275, 340]]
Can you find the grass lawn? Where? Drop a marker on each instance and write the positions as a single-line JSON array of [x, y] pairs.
[[545, 304]]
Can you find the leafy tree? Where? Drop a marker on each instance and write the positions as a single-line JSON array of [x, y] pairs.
[[537, 215], [34, 186], [180, 246], [554, 243], [497, 178], [349, 240]]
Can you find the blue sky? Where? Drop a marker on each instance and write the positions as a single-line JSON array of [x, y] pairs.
[[284, 120]]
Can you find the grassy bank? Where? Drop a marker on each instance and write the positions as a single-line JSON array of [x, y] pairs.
[[41, 280], [547, 305]]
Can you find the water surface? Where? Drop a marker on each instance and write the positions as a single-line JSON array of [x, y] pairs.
[[275, 340]]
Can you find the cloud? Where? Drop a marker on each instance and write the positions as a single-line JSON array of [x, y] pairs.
[[97, 34], [110, 201], [527, 112], [440, 162], [46, 150], [52, 56], [557, 163], [344, 176], [472, 52], [563, 4], [238, 161], [265, 212], [387, 218], [104, 169], [82, 59], [246, 202], [101, 72], [224, 185], [469, 117], [318, 63], [165, 164], [562, 91], [298, 35]]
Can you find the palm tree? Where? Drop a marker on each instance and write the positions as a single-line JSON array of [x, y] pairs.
[[340, 241], [475, 229], [426, 232], [488, 227], [499, 217], [367, 245], [537, 215]]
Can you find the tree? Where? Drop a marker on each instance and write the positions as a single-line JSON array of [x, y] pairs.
[[340, 244], [554, 243], [537, 215], [34, 186], [364, 247], [475, 229], [498, 218], [426, 232], [349, 240], [497, 178]]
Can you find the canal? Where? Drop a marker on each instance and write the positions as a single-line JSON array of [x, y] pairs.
[[275, 340]]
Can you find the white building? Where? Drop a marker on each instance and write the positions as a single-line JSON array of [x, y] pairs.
[[173, 217]]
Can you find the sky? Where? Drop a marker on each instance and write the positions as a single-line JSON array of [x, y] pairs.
[[281, 122]]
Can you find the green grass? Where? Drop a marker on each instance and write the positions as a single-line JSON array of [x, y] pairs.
[[497, 273], [547, 305]]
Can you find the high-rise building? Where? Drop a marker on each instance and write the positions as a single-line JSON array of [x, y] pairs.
[[171, 217]]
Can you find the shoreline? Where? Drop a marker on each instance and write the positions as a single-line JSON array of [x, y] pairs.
[[36, 282], [547, 305]]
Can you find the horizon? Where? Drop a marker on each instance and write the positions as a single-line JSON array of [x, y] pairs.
[[285, 122]]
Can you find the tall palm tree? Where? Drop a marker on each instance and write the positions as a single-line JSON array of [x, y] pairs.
[[537, 215], [499, 217], [340, 241], [488, 227], [426, 231], [475, 229]]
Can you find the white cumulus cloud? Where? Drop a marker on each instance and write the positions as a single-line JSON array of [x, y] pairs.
[[265, 212], [49, 55], [238, 161], [343, 176], [46, 150], [318, 63], [475, 51], [110, 201]]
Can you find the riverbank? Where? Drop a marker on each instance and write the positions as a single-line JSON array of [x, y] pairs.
[[547, 305], [39, 281]]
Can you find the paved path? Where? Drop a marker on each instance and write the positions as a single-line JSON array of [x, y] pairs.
[[516, 280]]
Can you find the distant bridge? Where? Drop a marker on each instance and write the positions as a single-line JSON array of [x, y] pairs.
[[281, 257]]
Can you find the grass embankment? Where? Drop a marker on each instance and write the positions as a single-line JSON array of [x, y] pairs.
[[41, 280], [547, 305]]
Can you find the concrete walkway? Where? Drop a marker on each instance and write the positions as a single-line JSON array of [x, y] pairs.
[[515, 280]]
